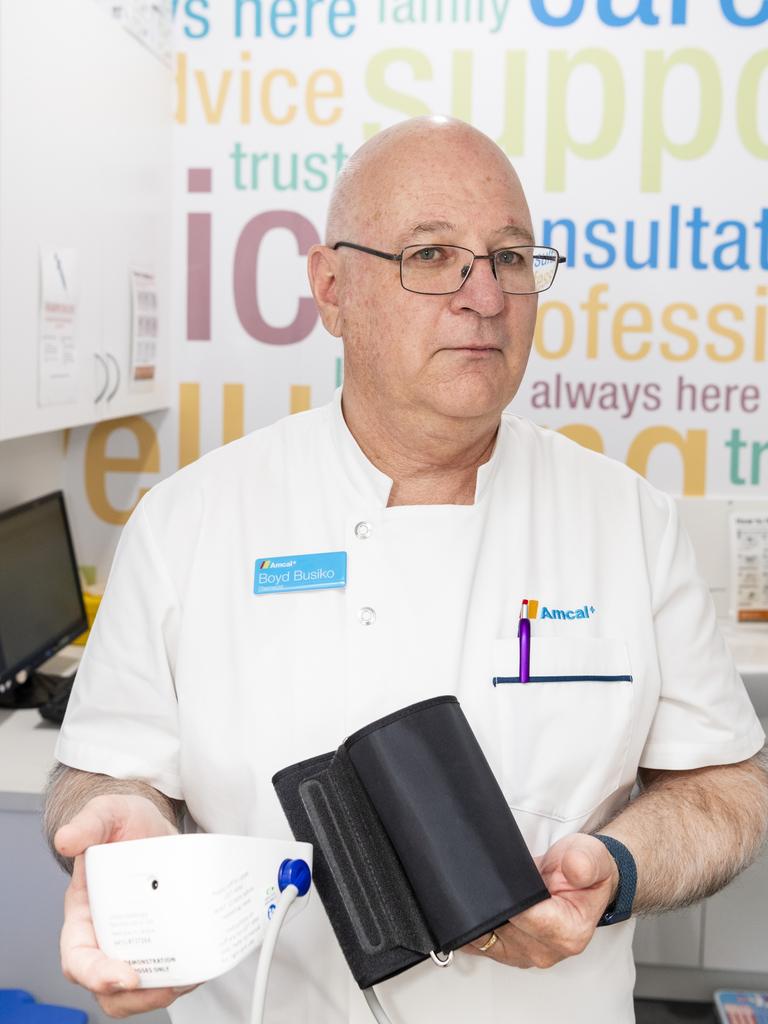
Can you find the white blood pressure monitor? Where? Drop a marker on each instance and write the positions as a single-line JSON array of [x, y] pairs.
[[184, 909]]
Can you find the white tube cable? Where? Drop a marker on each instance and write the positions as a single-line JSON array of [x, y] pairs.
[[287, 896], [375, 1006]]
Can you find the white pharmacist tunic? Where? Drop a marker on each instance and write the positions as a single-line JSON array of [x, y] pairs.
[[195, 684]]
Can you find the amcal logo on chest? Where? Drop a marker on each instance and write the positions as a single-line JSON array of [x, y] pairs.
[[538, 610]]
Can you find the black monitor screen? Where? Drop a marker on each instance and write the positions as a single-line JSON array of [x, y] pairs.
[[41, 604]]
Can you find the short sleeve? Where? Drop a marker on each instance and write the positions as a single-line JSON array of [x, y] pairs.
[[704, 715], [122, 717]]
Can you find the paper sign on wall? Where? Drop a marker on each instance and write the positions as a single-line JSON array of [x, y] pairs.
[[57, 334], [144, 325], [749, 567]]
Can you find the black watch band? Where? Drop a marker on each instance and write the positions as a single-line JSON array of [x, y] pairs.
[[621, 908]]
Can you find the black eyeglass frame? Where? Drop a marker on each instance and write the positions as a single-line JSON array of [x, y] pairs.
[[397, 257]]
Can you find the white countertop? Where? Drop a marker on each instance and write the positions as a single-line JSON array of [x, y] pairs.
[[749, 644], [27, 741]]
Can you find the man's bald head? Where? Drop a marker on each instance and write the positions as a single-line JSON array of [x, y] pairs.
[[409, 357], [397, 157]]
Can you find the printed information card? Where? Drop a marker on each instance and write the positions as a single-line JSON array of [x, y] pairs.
[[144, 325], [749, 567], [57, 327]]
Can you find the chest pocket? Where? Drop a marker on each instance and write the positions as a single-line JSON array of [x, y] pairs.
[[564, 735]]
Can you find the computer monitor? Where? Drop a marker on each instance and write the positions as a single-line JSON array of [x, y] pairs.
[[41, 602]]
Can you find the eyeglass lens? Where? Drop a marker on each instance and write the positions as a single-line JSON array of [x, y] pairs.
[[441, 269]]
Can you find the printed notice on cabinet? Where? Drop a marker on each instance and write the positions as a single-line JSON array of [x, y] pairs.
[[749, 567], [57, 335], [144, 325]]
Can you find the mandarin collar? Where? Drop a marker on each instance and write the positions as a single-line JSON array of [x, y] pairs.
[[375, 485]]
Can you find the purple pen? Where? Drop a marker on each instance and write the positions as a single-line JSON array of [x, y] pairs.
[[524, 633]]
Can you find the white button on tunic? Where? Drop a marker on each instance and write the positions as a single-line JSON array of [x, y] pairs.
[[195, 684]]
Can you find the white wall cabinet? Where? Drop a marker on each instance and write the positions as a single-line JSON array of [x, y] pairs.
[[735, 934], [85, 164], [670, 940], [724, 933]]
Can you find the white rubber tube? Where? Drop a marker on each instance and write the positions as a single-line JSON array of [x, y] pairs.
[[375, 1006], [287, 896]]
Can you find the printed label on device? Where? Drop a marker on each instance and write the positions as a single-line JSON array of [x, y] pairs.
[[322, 571]]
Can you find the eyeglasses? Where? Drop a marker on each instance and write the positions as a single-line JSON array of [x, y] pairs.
[[443, 269]]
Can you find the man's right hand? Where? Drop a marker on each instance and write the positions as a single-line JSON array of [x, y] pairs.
[[108, 818]]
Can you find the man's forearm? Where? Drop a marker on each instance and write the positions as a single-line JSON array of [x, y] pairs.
[[69, 790], [692, 832]]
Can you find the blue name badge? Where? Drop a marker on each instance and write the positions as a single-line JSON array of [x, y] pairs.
[[323, 571]]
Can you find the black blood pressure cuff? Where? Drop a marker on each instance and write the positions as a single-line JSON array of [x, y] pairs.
[[415, 847]]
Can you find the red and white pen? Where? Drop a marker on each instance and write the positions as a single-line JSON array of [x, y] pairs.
[[524, 635]]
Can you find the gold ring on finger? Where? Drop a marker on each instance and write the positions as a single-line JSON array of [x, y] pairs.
[[490, 943]]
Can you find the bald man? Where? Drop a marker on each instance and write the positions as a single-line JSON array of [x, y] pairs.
[[201, 679]]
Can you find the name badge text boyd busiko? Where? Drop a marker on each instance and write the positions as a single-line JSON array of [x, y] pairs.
[[322, 571]]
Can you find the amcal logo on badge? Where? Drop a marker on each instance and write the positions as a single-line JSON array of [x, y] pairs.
[[537, 610], [270, 563]]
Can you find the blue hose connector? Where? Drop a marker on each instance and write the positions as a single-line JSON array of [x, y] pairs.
[[294, 872]]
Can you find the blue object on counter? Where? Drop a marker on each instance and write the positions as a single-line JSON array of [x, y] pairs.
[[10, 997], [19, 1007]]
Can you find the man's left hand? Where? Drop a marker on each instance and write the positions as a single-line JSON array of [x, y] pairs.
[[582, 879]]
